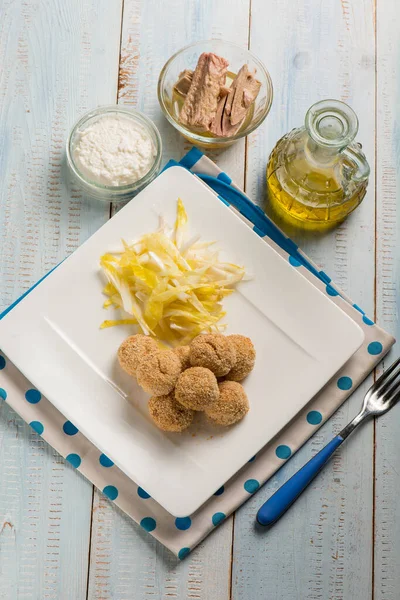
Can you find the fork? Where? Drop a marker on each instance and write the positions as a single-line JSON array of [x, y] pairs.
[[380, 398]]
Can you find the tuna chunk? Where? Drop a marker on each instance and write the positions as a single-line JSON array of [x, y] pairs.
[[184, 82], [216, 125], [200, 105], [222, 125], [245, 89], [232, 109]]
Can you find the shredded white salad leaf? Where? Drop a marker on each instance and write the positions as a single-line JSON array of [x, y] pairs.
[[168, 284]]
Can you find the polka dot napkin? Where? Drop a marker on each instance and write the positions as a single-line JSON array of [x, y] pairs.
[[183, 534]]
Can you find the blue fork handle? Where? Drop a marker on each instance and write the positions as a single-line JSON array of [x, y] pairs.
[[283, 498]]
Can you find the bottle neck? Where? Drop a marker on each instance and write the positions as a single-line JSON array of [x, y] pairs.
[[331, 126], [319, 155]]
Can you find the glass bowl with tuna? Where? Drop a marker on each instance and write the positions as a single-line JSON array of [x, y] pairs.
[[214, 92]]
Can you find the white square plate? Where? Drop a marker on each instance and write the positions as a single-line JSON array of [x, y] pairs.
[[301, 337]]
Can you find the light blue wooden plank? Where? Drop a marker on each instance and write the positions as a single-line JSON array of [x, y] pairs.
[[125, 562], [58, 60], [128, 564], [151, 34], [387, 483], [44, 517], [323, 547]]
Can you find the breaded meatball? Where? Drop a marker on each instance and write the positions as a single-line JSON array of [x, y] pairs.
[[213, 351], [245, 357], [196, 388], [133, 349], [158, 372], [231, 406], [183, 353], [168, 414]]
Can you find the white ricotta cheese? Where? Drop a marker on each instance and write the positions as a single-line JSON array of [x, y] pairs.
[[114, 150]]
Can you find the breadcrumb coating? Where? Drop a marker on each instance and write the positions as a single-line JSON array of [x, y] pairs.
[[196, 388], [158, 372], [213, 351], [168, 414], [183, 353], [231, 406], [133, 349], [245, 357]]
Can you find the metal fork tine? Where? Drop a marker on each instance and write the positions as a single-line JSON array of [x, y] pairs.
[[388, 386], [385, 380], [394, 397]]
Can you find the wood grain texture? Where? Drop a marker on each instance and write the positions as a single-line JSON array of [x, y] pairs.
[[56, 62], [125, 562], [317, 50], [387, 480], [59, 59]]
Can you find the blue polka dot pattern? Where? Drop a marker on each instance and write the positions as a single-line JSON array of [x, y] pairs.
[[283, 452], [325, 278], [344, 383], [183, 552], [183, 523], [69, 428], [294, 262], [2, 362], [251, 485], [3, 394], [74, 459], [33, 396], [220, 491], [148, 524], [105, 461], [37, 426], [142, 494], [358, 308], [111, 492], [217, 518], [331, 291], [367, 321], [314, 417], [253, 458], [375, 348]]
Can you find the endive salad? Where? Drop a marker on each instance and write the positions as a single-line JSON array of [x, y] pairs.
[[169, 284]]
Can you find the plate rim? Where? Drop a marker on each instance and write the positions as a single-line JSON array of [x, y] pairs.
[[200, 500]]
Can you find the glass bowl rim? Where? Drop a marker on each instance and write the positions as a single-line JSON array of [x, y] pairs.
[[132, 113], [215, 140]]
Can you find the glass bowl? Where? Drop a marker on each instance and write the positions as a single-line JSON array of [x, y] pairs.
[[187, 59], [109, 193]]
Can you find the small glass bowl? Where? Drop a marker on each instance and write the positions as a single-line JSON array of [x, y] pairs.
[[187, 59], [120, 193]]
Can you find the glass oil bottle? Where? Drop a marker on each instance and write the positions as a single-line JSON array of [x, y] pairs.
[[316, 174]]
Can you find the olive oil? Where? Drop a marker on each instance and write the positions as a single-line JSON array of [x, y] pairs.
[[315, 176], [321, 202]]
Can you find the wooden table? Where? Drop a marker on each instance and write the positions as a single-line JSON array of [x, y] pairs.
[[61, 539]]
